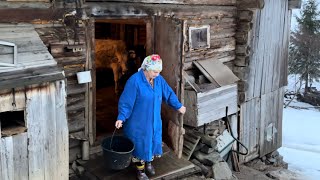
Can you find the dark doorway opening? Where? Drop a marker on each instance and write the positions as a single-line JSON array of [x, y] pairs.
[[132, 32]]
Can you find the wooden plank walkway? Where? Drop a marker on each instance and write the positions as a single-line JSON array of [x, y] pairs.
[[167, 167]]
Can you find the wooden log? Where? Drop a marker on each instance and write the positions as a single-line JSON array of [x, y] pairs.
[[241, 61], [245, 15], [294, 4], [242, 85], [244, 26], [203, 168], [242, 37], [241, 72], [209, 141], [243, 50], [247, 4], [194, 2]]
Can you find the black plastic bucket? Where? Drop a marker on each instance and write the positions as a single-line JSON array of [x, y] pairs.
[[118, 156]]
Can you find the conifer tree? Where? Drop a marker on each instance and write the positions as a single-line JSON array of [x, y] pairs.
[[304, 49]]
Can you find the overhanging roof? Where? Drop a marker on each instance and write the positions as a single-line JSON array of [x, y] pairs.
[[31, 52], [24, 59]]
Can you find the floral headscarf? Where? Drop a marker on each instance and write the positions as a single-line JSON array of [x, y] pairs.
[[152, 63]]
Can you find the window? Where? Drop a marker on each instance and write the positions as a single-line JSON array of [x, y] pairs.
[[199, 37], [12, 123]]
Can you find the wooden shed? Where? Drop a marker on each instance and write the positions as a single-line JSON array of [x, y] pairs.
[[204, 45], [34, 131]]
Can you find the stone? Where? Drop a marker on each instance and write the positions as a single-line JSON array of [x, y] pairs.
[[208, 159], [207, 149], [221, 171], [80, 170]]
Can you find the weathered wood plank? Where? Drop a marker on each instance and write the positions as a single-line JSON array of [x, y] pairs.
[[20, 159], [249, 128], [62, 139], [23, 81], [220, 73], [210, 105], [36, 134], [39, 56], [7, 99], [294, 4], [25, 44], [190, 116], [247, 4], [144, 10], [204, 2], [171, 71], [6, 157], [50, 143]]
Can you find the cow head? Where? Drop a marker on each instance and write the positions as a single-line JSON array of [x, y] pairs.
[[122, 61]]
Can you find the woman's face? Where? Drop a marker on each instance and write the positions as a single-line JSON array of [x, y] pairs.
[[153, 74]]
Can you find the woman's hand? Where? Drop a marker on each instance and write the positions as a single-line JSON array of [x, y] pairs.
[[118, 124], [182, 110]]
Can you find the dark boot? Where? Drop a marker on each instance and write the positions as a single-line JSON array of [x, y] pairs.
[[150, 169], [141, 175]]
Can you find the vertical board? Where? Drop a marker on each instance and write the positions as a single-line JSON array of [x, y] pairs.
[[62, 132], [36, 124], [47, 132], [20, 156], [6, 157], [267, 76], [90, 97], [49, 123], [249, 128], [271, 121], [268, 62], [168, 44]]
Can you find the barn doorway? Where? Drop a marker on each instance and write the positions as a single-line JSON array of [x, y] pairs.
[[132, 32]]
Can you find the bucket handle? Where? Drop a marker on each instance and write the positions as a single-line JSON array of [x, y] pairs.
[[112, 138]]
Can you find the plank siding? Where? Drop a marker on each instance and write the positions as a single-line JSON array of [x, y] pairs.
[[250, 113], [272, 107], [71, 62], [42, 151], [211, 105], [6, 157], [20, 156], [203, 2], [267, 62], [261, 89]]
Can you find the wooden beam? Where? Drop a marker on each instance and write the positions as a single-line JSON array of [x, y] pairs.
[[246, 4], [26, 77], [203, 2], [294, 4], [28, 15]]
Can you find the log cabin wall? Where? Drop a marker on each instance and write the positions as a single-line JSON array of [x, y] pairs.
[[69, 50], [262, 50], [219, 15]]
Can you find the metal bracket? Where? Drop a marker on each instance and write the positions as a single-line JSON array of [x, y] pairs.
[[15, 54]]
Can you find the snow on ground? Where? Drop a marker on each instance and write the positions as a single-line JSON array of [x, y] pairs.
[[301, 136]]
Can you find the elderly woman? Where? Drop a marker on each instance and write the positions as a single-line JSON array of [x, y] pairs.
[[140, 112]]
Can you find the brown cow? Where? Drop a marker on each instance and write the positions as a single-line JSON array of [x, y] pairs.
[[112, 54]]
